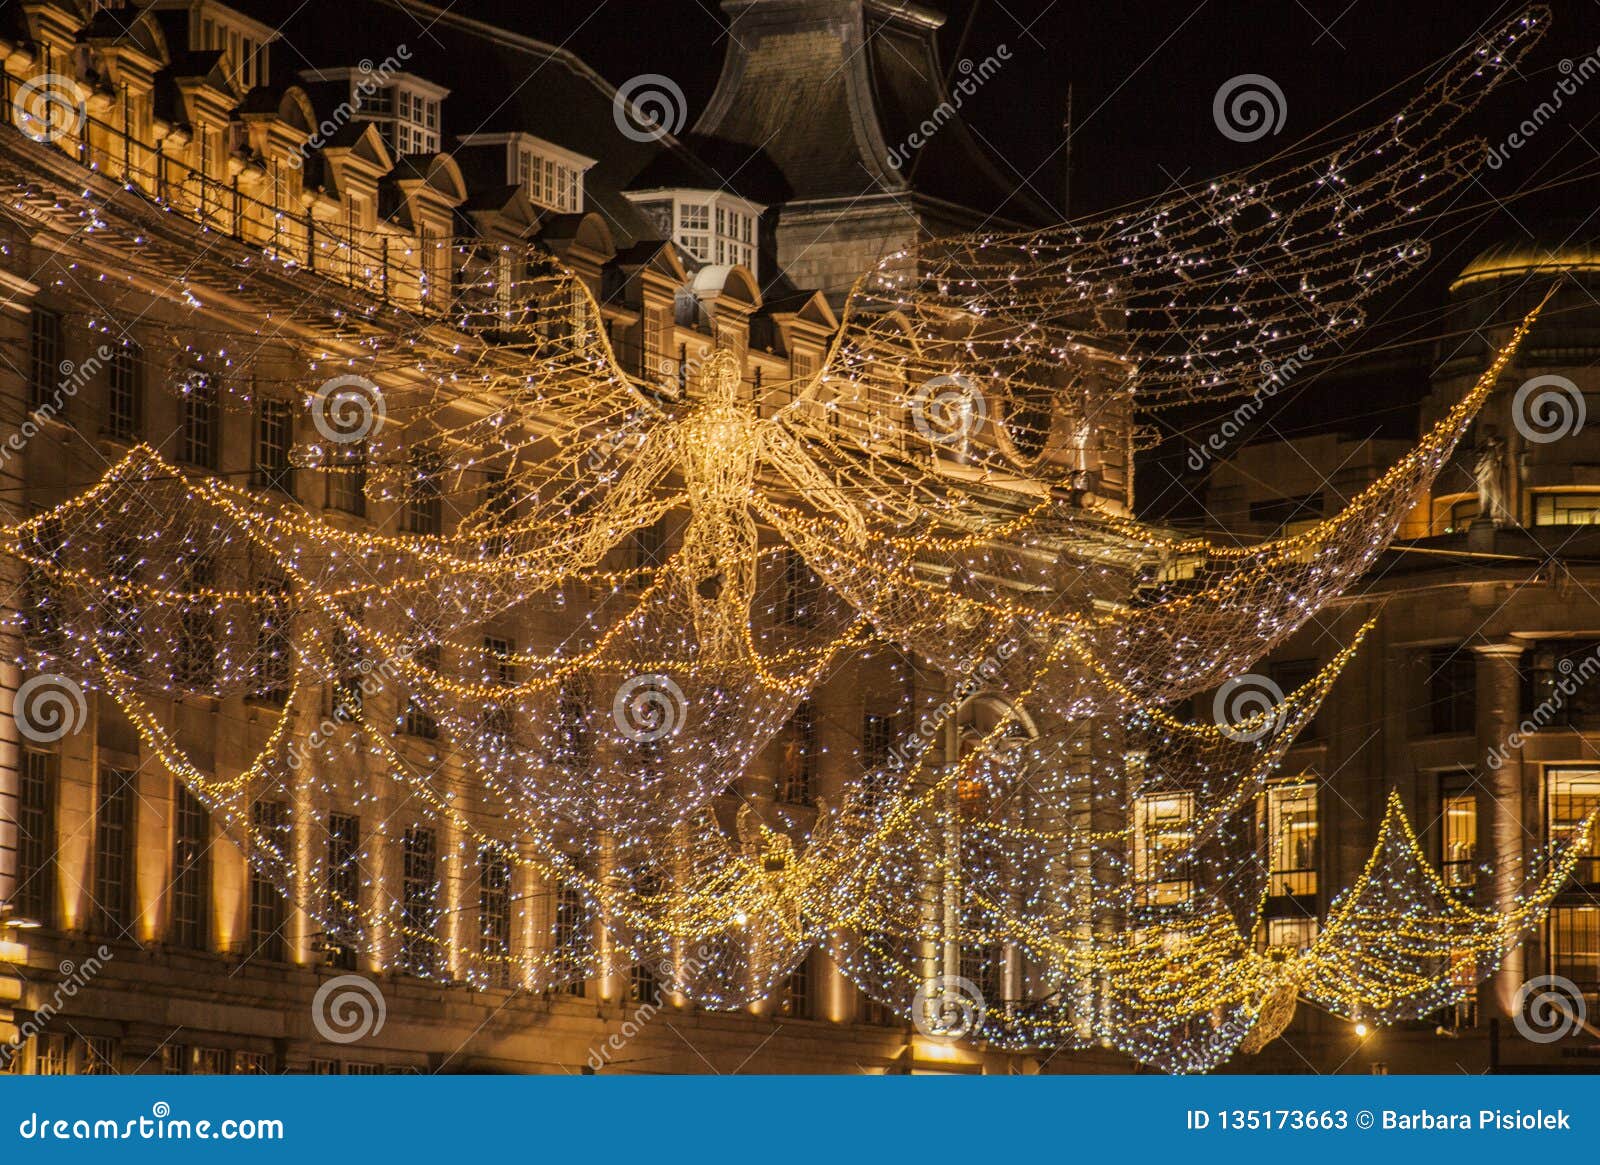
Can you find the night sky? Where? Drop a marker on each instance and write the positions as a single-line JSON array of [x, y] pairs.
[[1142, 73]]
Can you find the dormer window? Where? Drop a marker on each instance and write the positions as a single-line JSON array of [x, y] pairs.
[[242, 41], [404, 107], [550, 175], [713, 226]]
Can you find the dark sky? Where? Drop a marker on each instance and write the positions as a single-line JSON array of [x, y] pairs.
[[1143, 73]]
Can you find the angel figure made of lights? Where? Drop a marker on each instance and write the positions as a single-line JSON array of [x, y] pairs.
[[719, 448]]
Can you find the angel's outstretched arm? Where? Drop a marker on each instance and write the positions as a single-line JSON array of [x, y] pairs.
[[630, 504], [785, 453]]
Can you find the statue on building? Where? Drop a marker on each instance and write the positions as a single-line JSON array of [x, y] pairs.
[[1489, 473]]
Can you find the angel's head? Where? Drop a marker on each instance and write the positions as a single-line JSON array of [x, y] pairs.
[[720, 376]]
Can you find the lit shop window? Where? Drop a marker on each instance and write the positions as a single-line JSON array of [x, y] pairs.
[[1163, 833]]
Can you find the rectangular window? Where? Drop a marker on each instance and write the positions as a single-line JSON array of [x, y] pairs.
[[796, 998], [983, 965], [646, 551], [419, 721], [125, 393], [1575, 946], [274, 435], [1292, 674], [494, 912], [573, 940], [1297, 933], [877, 755], [119, 628], [44, 360], [1566, 509], [42, 617], [424, 504], [271, 820], [200, 420], [252, 1064], [1574, 794], [191, 871], [272, 664], [499, 510], [499, 655], [420, 905], [1452, 690], [344, 889], [114, 840], [1458, 831], [174, 1059], [574, 742], [1290, 834], [347, 478], [36, 836], [797, 759], [98, 1056], [212, 1061], [348, 696], [643, 985], [1163, 831], [197, 626], [52, 1054]]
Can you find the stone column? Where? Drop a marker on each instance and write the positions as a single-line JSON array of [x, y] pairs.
[[1502, 835], [16, 302]]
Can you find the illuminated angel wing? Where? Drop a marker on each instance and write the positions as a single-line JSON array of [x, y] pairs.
[[1007, 354]]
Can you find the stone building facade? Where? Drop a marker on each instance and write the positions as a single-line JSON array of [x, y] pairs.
[[1475, 697], [200, 179]]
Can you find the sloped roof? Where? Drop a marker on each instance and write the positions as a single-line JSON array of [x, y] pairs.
[[828, 89], [500, 82]]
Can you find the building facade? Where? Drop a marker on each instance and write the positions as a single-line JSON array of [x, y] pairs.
[[1475, 696], [190, 212]]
